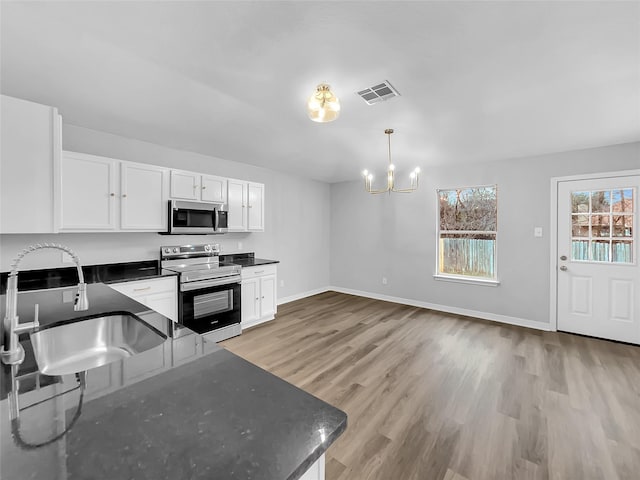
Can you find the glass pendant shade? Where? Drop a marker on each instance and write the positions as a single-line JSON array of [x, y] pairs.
[[323, 106]]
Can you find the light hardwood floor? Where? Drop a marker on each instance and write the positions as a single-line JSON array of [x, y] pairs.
[[438, 396]]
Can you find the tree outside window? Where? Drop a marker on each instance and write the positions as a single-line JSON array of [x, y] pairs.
[[467, 232]]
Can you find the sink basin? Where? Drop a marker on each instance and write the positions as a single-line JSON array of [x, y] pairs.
[[92, 342]]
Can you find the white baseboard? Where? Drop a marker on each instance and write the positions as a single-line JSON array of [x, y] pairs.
[[299, 296], [521, 322]]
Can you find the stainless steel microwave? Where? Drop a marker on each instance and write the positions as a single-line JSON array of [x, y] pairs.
[[197, 218]]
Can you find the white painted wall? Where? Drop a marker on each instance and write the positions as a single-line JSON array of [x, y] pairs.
[[395, 236], [296, 217]]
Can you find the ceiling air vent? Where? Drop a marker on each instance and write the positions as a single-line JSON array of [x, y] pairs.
[[378, 93]]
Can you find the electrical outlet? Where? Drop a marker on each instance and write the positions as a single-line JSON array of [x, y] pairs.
[[239, 245], [537, 232], [384, 280], [282, 283]]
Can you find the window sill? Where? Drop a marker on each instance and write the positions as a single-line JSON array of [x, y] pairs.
[[468, 280]]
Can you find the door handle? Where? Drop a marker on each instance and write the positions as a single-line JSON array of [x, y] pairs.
[[563, 268]]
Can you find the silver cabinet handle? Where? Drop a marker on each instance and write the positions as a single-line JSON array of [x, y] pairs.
[[113, 194], [141, 289], [258, 273], [563, 268], [204, 187], [563, 257], [124, 195]]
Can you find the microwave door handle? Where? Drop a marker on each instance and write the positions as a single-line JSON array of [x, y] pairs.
[[215, 219]]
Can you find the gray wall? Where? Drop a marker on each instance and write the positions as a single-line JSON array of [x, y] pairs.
[[296, 217], [395, 236]]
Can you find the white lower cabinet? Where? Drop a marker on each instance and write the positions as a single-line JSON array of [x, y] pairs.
[[258, 295], [186, 348], [159, 294], [316, 472]]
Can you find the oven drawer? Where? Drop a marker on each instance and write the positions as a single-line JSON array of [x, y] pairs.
[[251, 272]]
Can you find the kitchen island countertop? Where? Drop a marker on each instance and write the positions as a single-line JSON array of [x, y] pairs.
[[215, 416]]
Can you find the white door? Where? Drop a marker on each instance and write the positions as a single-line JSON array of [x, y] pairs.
[[237, 196], [268, 295], [250, 301], [256, 207], [598, 274], [88, 192], [185, 185], [214, 189], [143, 197]]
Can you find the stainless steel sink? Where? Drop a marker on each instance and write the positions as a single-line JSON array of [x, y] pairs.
[[89, 343]]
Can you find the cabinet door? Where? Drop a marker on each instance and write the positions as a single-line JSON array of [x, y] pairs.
[[143, 197], [29, 156], [256, 207], [250, 304], [185, 185], [213, 189], [102, 380], [88, 192], [146, 363], [268, 296], [165, 303], [186, 348], [237, 196]]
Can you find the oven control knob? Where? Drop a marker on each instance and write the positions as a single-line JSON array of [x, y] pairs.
[[207, 248], [175, 250], [167, 250]]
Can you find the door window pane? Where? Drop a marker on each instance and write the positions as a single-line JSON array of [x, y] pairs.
[[621, 251], [600, 250], [601, 201], [580, 250], [580, 202], [623, 225], [580, 225]]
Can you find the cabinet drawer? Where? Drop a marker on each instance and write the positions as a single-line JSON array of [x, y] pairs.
[[140, 288], [251, 272]]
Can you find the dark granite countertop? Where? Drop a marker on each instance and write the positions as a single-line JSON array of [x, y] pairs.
[[103, 273], [245, 260], [158, 415]]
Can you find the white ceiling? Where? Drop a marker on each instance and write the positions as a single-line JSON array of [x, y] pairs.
[[479, 81]]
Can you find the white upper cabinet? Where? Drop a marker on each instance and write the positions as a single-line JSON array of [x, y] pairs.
[[185, 185], [237, 205], [245, 206], [197, 187], [103, 194], [143, 197], [213, 189], [88, 192], [255, 204], [29, 161]]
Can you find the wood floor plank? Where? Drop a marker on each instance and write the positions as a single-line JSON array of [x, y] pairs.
[[434, 396]]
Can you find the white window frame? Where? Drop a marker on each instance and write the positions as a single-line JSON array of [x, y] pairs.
[[448, 277]]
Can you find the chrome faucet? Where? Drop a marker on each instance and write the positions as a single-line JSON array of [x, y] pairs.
[[12, 352]]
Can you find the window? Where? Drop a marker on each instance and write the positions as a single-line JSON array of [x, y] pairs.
[[467, 231], [602, 226]]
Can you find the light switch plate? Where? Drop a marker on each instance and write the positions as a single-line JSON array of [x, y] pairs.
[[537, 232]]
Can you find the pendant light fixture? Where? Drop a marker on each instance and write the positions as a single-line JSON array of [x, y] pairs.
[[323, 106], [368, 177]]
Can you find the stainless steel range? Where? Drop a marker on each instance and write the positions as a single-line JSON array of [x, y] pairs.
[[208, 293]]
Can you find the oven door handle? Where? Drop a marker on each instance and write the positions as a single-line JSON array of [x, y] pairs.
[[199, 284]]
